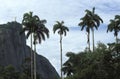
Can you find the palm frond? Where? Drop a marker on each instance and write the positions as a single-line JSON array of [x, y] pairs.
[[43, 21], [28, 34], [46, 32], [59, 26], [55, 28], [39, 38], [41, 34]]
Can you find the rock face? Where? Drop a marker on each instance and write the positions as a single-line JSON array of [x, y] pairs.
[[13, 50]]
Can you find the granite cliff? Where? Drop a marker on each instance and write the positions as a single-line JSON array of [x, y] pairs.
[[13, 50]]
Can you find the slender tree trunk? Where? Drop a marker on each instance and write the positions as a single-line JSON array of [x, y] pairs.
[[88, 37], [61, 55], [34, 57], [31, 58], [116, 40], [116, 43], [93, 39], [34, 61]]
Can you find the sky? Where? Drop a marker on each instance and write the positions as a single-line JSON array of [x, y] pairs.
[[57, 10]]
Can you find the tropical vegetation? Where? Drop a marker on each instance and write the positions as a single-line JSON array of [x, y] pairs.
[[101, 63], [104, 63], [10, 72]]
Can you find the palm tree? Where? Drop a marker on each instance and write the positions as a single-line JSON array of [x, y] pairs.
[[91, 21], [28, 26], [36, 28], [62, 30], [39, 34], [82, 24], [114, 25]]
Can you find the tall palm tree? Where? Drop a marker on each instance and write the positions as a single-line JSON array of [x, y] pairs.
[[39, 34], [114, 25], [82, 24], [91, 21], [62, 30], [36, 28], [28, 26]]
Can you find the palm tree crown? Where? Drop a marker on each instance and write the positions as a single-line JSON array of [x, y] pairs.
[[90, 21], [32, 24], [114, 25], [60, 28], [40, 32]]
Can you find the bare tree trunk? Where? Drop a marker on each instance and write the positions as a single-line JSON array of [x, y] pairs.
[[88, 37], [116, 43], [93, 39], [31, 58], [116, 40], [34, 61], [61, 55], [34, 56]]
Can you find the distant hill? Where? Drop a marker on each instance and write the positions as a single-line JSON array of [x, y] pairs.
[[13, 50]]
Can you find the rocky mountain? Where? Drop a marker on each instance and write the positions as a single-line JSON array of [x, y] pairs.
[[13, 50]]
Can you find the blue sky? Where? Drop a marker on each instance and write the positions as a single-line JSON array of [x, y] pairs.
[[68, 10]]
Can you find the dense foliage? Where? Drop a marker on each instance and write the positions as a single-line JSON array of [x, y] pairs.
[[103, 63], [10, 72]]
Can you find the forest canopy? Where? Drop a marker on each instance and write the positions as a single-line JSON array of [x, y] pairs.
[[103, 63]]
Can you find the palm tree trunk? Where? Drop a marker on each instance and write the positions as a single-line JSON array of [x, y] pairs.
[[34, 57], [93, 39], [88, 41], [117, 43], [35, 61], [61, 55], [31, 59], [116, 40]]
